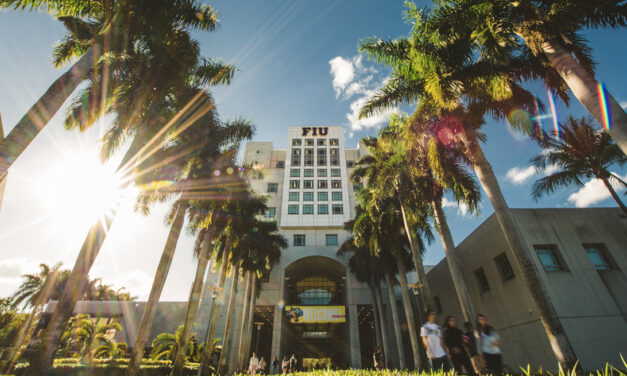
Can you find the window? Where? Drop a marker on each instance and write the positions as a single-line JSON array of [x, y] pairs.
[[323, 196], [295, 157], [336, 196], [548, 258], [335, 172], [280, 164], [292, 209], [296, 142], [322, 157], [270, 213], [322, 141], [294, 196], [482, 280], [599, 257], [322, 184], [308, 172], [322, 172], [294, 184], [273, 187], [323, 209], [331, 239], [338, 209], [335, 157], [437, 305], [309, 142], [299, 240], [505, 268], [295, 172], [308, 184], [334, 142], [336, 184], [309, 157], [350, 164], [308, 209], [307, 196]]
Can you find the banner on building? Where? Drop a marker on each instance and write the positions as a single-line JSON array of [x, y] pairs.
[[315, 314]]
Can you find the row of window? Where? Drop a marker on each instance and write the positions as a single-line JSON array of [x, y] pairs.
[[300, 240], [322, 209], [311, 141], [309, 196], [274, 187], [322, 184], [551, 261], [309, 172], [322, 157]]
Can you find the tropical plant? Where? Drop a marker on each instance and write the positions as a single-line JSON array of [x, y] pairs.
[[96, 32], [455, 89], [165, 346], [550, 35], [110, 349], [579, 152], [86, 336]]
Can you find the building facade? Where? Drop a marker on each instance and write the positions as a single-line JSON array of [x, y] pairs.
[[581, 258]]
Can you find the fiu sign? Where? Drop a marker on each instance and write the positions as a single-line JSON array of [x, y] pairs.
[[315, 314], [315, 131]]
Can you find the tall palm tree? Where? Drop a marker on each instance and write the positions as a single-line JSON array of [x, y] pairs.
[[454, 91], [551, 33], [96, 30], [580, 152], [193, 179]]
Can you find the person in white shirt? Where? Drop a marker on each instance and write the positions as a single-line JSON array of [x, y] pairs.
[[254, 364], [432, 339], [490, 344]]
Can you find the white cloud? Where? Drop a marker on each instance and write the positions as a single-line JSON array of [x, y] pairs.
[[623, 104], [343, 72], [137, 282], [518, 175], [11, 271], [462, 208], [374, 121], [592, 192]]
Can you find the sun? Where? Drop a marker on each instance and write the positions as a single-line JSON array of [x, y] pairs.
[[79, 188]]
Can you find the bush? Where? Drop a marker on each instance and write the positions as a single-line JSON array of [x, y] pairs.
[[109, 367]]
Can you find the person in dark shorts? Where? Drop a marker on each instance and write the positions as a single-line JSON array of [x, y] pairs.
[[454, 342], [379, 360], [490, 343]]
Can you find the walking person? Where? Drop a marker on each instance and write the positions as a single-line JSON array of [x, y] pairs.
[[262, 366], [471, 344], [379, 359], [276, 365], [490, 344], [293, 363], [454, 342], [253, 364], [285, 365], [432, 339]]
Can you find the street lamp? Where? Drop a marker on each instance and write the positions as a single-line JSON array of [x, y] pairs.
[[259, 325]]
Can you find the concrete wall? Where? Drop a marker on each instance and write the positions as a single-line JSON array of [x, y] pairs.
[[589, 302]]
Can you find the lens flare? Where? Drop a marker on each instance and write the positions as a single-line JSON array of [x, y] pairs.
[[605, 108], [554, 113], [522, 122]]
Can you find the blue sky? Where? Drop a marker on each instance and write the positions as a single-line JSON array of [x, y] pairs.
[[298, 65]]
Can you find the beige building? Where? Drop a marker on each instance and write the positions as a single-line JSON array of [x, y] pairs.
[[581, 256]]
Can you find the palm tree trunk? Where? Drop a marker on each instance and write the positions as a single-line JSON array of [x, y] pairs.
[[454, 266], [377, 319], [586, 89], [417, 257], [3, 179], [384, 331], [193, 303], [157, 287], [203, 368], [242, 328], [75, 288], [609, 187], [389, 281], [562, 348], [409, 311], [227, 325], [251, 318], [45, 108]]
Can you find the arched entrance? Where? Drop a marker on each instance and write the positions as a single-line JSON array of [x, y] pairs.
[[316, 327]]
